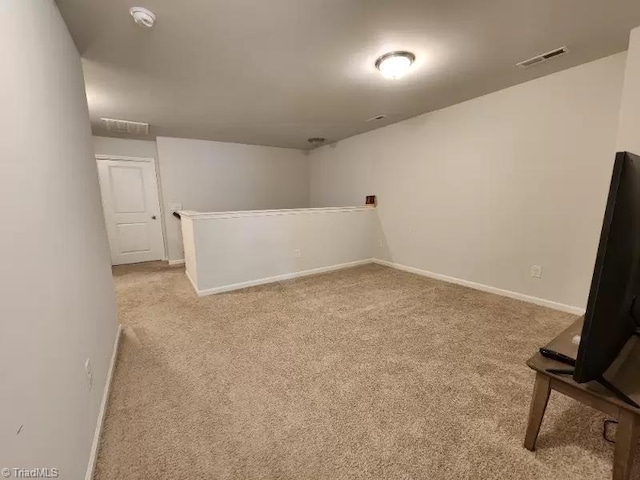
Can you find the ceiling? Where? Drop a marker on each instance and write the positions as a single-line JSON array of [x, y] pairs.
[[277, 72]]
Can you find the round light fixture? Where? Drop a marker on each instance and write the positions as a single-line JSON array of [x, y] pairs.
[[142, 16], [395, 64]]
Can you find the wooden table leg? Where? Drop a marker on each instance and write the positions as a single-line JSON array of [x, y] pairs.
[[626, 438], [541, 391]]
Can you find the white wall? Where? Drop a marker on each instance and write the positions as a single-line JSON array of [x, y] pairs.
[[57, 305], [629, 127], [240, 249], [485, 189], [124, 147], [215, 176], [189, 245]]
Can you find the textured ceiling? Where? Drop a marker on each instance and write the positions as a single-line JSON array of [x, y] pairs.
[[277, 72]]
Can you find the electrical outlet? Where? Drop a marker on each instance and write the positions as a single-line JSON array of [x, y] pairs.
[[536, 271], [89, 372], [381, 243], [297, 253]]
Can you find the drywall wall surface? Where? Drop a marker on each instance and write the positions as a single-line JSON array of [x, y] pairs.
[[486, 189], [57, 305], [124, 147], [189, 246], [629, 126], [239, 248], [214, 176]]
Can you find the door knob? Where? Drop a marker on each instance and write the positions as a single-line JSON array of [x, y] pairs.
[[153, 217]]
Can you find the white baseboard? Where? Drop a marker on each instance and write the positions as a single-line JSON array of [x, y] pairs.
[[93, 456], [176, 262], [437, 276], [278, 278], [485, 288]]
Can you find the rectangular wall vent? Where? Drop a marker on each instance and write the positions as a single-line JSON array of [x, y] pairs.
[[542, 57], [125, 127]]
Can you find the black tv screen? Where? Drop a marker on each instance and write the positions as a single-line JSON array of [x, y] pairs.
[[609, 321]]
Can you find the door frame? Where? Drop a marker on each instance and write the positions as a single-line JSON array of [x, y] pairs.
[[152, 161]]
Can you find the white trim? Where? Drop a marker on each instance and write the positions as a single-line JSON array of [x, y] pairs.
[[193, 284], [176, 262], [93, 456], [260, 213], [278, 278], [124, 158], [485, 288]]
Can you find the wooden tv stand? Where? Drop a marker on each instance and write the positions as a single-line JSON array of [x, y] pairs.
[[623, 373]]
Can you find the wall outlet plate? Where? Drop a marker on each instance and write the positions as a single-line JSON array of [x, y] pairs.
[[536, 271], [297, 252]]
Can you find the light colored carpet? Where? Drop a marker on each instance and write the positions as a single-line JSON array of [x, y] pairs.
[[366, 373]]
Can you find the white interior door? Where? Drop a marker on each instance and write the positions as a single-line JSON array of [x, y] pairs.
[[131, 210]]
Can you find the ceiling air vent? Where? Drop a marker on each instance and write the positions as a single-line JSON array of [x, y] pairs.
[[316, 141], [125, 127], [543, 58]]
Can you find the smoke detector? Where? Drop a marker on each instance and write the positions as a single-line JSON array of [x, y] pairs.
[[125, 127], [142, 16], [543, 57]]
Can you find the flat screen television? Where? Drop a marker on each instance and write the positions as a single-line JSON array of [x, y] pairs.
[[609, 320]]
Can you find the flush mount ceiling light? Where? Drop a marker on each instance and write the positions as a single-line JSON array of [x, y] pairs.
[[395, 64], [142, 16]]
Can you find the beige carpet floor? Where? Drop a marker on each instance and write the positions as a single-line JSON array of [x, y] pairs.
[[366, 373]]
